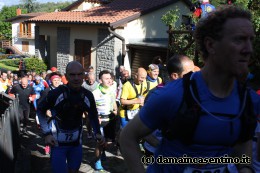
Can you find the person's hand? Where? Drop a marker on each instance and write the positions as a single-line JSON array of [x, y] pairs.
[[140, 100], [30, 99], [50, 140], [114, 111], [48, 113]]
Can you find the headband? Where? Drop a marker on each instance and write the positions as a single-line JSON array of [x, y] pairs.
[[55, 76]]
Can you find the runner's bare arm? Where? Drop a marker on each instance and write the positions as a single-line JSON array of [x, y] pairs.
[[131, 102], [129, 143]]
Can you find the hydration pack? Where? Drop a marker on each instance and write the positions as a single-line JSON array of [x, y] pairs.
[[69, 113], [185, 122]]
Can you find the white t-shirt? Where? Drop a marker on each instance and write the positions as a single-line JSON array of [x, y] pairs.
[[104, 101]]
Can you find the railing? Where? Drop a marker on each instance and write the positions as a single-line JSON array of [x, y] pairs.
[[28, 35], [9, 133], [6, 43]]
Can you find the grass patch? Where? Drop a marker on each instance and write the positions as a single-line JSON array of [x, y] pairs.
[[3, 66]]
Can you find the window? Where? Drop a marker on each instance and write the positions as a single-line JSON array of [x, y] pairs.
[[25, 30], [25, 46]]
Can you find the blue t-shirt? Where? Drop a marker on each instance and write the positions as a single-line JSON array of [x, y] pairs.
[[214, 135]]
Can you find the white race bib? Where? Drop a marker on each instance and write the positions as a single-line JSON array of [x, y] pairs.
[[131, 113], [213, 170], [65, 136]]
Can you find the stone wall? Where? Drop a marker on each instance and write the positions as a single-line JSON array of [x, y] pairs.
[[63, 47], [105, 51]]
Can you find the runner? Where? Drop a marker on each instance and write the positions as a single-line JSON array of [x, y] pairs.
[[107, 110], [207, 114], [64, 132]]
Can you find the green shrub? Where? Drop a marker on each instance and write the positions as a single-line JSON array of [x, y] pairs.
[[5, 67], [35, 64], [32, 64], [11, 62]]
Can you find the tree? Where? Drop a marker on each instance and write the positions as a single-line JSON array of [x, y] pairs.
[[30, 5], [5, 27], [252, 5]]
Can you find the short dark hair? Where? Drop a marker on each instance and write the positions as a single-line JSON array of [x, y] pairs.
[[157, 60], [174, 65], [71, 62], [212, 25], [103, 72]]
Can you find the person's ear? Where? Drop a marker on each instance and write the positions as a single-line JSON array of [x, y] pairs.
[[209, 44], [174, 76]]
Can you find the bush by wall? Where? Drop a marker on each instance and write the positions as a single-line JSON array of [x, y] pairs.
[[31, 64], [35, 64]]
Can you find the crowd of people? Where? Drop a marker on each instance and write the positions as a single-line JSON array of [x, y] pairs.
[[161, 122]]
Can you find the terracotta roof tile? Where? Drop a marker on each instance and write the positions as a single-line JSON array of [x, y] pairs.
[[116, 12]]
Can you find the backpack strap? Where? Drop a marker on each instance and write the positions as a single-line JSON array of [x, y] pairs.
[[184, 124], [148, 85], [248, 117], [148, 88], [135, 88]]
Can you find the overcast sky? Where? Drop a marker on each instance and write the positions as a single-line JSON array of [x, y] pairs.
[[15, 2]]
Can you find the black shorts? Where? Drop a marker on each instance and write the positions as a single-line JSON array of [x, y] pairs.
[[110, 129]]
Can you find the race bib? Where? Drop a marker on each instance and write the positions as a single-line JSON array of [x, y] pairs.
[[131, 113], [65, 136], [213, 170]]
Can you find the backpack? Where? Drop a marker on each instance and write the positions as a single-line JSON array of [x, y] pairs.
[[184, 124], [68, 109]]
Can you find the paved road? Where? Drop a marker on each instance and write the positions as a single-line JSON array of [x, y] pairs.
[[31, 158]]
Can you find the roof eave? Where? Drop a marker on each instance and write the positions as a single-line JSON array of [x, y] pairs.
[[17, 17], [125, 20], [136, 16], [187, 2], [72, 5], [68, 22]]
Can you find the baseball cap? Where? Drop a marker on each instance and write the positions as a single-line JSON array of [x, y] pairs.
[[152, 67], [53, 69]]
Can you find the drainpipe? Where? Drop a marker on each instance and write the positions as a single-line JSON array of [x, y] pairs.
[[123, 42]]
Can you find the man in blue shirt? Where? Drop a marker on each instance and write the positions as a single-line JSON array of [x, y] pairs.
[[225, 124]]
